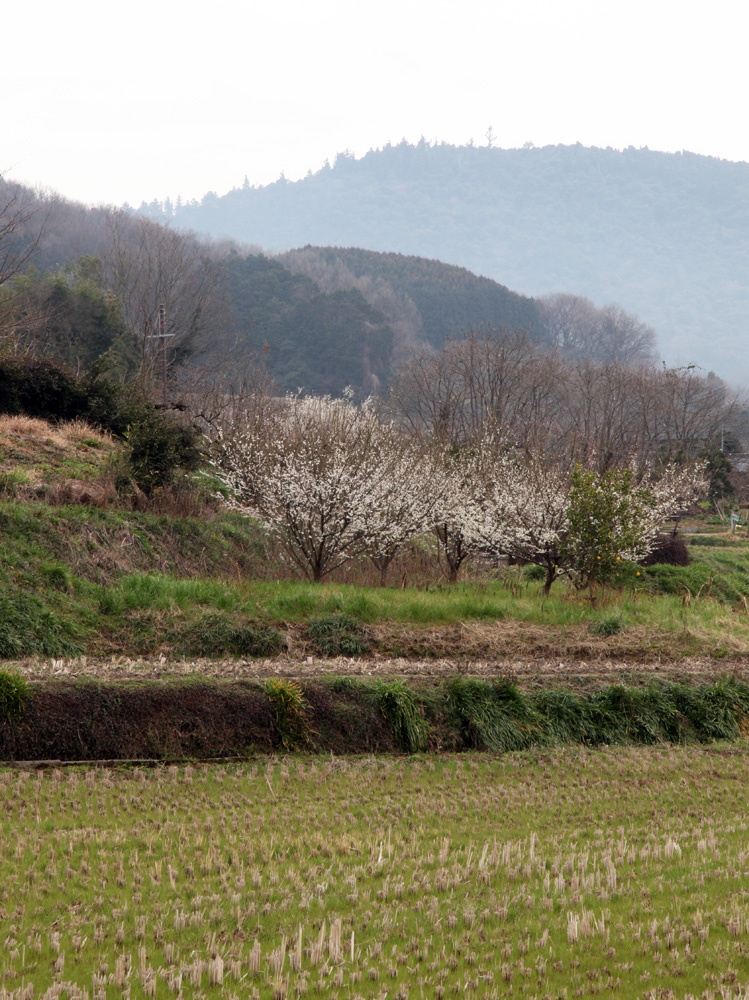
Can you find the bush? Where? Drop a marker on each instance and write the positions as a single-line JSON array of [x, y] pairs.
[[534, 573], [38, 387], [669, 550], [14, 690], [337, 635], [158, 447]]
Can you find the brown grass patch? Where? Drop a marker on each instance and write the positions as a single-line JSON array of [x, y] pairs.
[[511, 639], [65, 435]]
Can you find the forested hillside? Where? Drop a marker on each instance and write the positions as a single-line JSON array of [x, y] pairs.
[[663, 235], [439, 300], [312, 340], [83, 283]]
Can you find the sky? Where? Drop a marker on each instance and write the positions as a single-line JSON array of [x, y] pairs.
[[118, 103]]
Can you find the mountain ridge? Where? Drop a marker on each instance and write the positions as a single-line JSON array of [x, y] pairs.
[[664, 235]]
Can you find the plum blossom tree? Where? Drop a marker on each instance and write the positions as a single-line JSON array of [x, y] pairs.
[[455, 510], [519, 506], [405, 492], [307, 470], [576, 521]]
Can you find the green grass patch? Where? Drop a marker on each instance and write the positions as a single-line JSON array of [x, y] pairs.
[[28, 627], [337, 635], [290, 707], [399, 704], [14, 691]]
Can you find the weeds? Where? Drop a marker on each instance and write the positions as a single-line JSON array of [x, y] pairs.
[[494, 717], [215, 635], [28, 627], [290, 708], [14, 691], [337, 635], [399, 704], [610, 623]]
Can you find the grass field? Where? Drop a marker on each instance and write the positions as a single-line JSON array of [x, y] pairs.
[[568, 874], [155, 611]]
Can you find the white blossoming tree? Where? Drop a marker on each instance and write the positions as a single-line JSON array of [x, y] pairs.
[[519, 507], [304, 468], [580, 522], [405, 491], [454, 513]]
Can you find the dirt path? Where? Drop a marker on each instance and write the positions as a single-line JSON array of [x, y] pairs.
[[529, 673]]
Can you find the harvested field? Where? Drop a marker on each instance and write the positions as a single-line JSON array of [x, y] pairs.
[[616, 873]]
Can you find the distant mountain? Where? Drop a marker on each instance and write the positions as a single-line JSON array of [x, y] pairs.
[[663, 235]]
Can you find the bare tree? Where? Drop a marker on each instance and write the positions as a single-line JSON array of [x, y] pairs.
[[148, 265], [580, 331], [22, 219]]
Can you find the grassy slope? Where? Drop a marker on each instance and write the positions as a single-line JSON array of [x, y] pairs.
[[102, 579]]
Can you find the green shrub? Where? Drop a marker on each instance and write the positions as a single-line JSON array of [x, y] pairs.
[[400, 706], [158, 447], [14, 690], [215, 635], [610, 623], [39, 387], [289, 712], [337, 635], [534, 573]]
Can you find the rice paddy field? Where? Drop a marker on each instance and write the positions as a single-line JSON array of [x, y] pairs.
[[571, 873]]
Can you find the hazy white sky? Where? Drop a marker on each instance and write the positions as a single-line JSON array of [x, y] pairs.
[[116, 102]]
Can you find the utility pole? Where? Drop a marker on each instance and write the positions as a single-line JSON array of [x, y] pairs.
[[162, 336]]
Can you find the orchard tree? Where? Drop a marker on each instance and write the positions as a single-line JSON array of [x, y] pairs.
[[519, 506], [615, 516], [406, 486], [454, 513], [306, 468]]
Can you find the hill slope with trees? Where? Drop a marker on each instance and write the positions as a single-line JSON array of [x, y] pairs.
[[663, 235]]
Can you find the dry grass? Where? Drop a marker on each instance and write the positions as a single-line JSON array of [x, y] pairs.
[[55, 463], [64, 435], [527, 673]]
